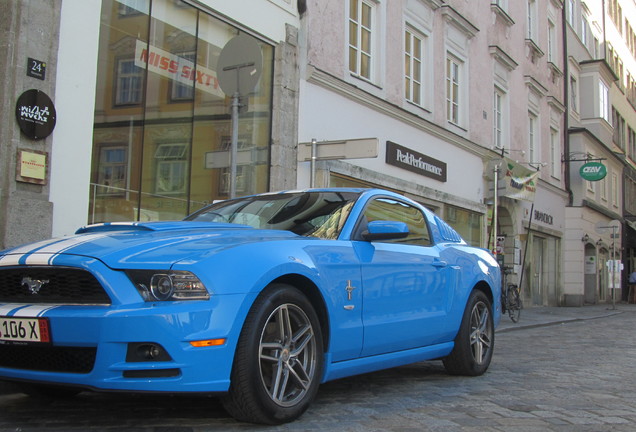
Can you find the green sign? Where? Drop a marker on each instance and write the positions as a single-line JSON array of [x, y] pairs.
[[593, 171]]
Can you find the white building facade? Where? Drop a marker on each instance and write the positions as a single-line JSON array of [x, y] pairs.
[[463, 88]]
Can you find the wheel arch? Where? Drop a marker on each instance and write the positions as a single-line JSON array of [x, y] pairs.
[[491, 294], [485, 288], [312, 292]]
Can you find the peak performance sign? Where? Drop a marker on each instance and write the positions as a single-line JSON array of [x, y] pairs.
[[413, 161]]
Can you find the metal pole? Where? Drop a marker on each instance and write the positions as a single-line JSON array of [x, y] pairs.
[[312, 176], [234, 144], [613, 284], [495, 211]]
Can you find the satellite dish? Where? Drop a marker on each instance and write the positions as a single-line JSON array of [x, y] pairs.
[[240, 65]]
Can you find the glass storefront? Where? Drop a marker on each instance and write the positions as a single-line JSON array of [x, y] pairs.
[[163, 126]]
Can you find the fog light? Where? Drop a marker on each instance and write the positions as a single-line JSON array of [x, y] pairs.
[[149, 352], [146, 352]]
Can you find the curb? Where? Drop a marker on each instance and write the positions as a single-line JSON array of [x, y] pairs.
[[509, 327]]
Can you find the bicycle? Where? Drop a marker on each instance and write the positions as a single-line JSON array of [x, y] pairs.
[[511, 299]]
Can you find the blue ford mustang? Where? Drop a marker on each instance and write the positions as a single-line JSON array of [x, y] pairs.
[[259, 298]]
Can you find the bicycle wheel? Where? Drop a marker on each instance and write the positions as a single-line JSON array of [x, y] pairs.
[[513, 301]]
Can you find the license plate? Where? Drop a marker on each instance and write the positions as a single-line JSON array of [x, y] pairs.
[[24, 330]]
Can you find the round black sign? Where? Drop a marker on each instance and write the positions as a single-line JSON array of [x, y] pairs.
[[35, 113]]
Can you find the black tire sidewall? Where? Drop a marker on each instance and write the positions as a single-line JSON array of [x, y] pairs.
[[461, 360], [250, 385]]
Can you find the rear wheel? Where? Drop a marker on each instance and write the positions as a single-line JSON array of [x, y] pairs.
[[475, 341], [279, 359]]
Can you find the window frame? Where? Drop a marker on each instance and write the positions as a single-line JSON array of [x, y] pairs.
[[411, 34], [356, 47], [498, 118], [454, 70]]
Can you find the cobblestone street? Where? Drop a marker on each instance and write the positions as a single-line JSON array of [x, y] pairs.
[[553, 374]]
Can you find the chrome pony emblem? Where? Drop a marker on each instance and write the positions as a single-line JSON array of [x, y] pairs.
[[34, 285], [349, 289]]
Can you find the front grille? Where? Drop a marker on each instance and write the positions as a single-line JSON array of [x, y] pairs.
[[60, 285], [48, 358]]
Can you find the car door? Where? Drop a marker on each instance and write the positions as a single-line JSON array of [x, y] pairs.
[[404, 283]]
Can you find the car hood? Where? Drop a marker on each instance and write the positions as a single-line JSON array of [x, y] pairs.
[[142, 244]]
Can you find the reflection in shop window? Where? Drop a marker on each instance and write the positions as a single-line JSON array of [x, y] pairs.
[[171, 169], [132, 7], [467, 223], [129, 82], [157, 94], [182, 92], [112, 171]]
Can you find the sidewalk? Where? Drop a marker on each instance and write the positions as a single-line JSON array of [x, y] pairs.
[[539, 316]]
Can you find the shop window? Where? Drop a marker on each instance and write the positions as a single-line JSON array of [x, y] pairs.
[[129, 8], [467, 223], [161, 119]]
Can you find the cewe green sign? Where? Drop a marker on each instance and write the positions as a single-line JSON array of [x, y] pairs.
[[593, 171]]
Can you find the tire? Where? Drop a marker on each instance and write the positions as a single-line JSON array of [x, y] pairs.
[[279, 359], [475, 340]]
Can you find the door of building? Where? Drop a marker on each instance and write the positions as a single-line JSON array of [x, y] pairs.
[[537, 284]]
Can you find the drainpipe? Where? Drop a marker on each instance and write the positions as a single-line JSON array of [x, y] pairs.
[[566, 114]]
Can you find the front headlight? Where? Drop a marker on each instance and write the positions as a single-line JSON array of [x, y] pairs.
[[168, 286]]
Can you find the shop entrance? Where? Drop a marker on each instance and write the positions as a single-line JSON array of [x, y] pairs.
[[590, 271]]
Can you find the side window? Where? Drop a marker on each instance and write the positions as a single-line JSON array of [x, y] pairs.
[[387, 209]]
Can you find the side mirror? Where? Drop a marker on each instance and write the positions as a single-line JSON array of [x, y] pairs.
[[385, 230]]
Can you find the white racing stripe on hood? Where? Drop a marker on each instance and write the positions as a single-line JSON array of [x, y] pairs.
[[43, 253], [34, 311], [10, 260], [6, 309], [24, 310], [57, 248]]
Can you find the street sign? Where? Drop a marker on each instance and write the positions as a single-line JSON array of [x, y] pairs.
[[593, 171], [603, 227], [240, 65], [342, 149]]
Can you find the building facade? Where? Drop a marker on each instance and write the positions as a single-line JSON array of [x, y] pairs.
[[601, 123], [479, 110], [462, 88]]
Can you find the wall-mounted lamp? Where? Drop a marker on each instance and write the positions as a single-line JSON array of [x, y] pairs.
[[599, 242], [585, 238]]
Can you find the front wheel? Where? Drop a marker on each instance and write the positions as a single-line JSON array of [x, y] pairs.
[[475, 340], [279, 359]]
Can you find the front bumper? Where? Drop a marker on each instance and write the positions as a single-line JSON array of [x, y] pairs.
[[105, 336]]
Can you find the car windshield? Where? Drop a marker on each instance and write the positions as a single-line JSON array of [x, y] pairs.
[[312, 214]]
